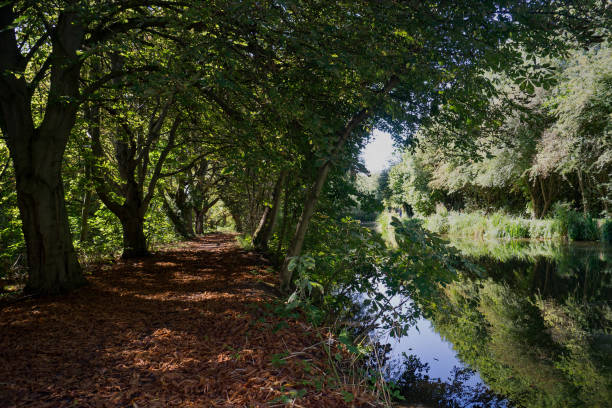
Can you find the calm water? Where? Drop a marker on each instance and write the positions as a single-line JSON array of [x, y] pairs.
[[533, 331]]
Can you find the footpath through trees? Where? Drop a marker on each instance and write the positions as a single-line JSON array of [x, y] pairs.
[[189, 326]]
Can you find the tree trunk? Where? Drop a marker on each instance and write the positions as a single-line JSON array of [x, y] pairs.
[[257, 235], [545, 198], [535, 210], [200, 215], [268, 220], [199, 222], [134, 240], [84, 233], [187, 214], [179, 210], [295, 248], [285, 222], [53, 266], [181, 218], [37, 152], [237, 219]]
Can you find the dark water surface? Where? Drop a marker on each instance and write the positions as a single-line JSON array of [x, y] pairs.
[[533, 331]]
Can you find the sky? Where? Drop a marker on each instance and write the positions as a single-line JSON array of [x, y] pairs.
[[378, 154]]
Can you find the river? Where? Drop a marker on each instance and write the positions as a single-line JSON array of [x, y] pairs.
[[533, 331]]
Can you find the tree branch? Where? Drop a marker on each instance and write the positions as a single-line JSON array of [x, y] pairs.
[[34, 48], [114, 75], [161, 160], [39, 75], [186, 167]]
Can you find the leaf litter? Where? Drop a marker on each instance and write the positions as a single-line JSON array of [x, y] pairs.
[[186, 327]]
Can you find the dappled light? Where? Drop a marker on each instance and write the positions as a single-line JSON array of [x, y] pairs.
[[231, 203], [125, 339]]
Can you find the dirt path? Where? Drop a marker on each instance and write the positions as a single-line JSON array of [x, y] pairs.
[[186, 327]]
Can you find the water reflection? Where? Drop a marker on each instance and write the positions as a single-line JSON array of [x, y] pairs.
[[459, 390], [536, 329]]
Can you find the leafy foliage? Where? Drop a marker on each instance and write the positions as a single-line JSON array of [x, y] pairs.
[[535, 149], [533, 344]]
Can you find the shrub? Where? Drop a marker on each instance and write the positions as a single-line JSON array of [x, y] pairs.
[[515, 228], [386, 230], [582, 228], [441, 209], [576, 226], [467, 225], [562, 213], [245, 241], [591, 229], [565, 223], [504, 226]]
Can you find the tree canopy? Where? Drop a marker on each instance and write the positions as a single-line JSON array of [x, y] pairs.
[[133, 99]]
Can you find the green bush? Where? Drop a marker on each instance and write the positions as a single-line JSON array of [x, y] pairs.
[[12, 245], [386, 230], [566, 222], [576, 226], [606, 231], [582, 228], [245, 241], [467, 225], [505, 226]]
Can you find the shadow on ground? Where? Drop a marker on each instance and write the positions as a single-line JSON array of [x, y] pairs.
[[185, 327]]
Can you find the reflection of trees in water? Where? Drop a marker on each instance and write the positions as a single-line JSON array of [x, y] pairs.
[[537, 328], [538, 332], [582, 274], [414, 384]]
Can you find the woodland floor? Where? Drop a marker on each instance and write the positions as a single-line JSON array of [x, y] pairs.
[[189, 327]]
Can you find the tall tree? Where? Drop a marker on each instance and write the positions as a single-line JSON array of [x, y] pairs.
[[42, 50], [139, 151], [415, 58]]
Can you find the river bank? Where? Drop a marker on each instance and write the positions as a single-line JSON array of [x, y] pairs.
[[564, 224]]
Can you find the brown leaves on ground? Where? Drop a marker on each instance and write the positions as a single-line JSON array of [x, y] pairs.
[[186, 327]]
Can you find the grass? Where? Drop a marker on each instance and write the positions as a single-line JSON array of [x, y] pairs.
[[497, 225], [507, 250], [564, 224]]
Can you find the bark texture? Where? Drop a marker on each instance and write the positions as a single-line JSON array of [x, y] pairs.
[[36, 152], [268, 220], [134, 240]]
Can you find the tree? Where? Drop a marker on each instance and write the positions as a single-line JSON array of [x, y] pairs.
[[414, 58], [128, 189], [266, 226], [534, 150], [194, 193], [579, 141], [42, 51], [315, 76]]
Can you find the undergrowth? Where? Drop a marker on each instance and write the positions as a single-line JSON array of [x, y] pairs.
[[338, 288], [245, 241], [563, 223]]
